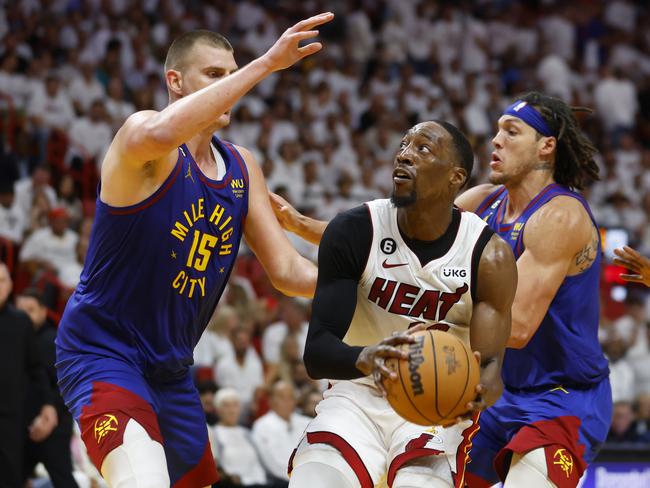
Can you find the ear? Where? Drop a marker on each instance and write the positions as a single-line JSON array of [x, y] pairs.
[[174, 81], [547, 146], [459, 176]]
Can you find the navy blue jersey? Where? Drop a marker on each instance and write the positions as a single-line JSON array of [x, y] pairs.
[[565, 349], [156, 270]]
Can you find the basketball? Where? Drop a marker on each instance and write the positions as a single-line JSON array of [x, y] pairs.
[[436, 382]]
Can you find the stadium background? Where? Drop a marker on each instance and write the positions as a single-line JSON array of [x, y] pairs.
[[325, 133]]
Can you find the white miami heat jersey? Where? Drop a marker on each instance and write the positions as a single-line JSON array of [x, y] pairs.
[[395, 291]]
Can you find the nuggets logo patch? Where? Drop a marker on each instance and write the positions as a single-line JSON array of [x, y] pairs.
[[104, 425], [237, 185], [564, 461]]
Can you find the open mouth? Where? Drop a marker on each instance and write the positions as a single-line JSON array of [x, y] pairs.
[[495, 160], [401, 175]]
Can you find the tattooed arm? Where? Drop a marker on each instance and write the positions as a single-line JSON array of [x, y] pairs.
[[560, 240]]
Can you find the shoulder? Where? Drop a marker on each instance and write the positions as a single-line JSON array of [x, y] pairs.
[[546, 230], [473, 197], [349, 226]]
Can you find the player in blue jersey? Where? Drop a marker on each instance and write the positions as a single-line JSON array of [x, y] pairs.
[[556, 407], [173, 205]]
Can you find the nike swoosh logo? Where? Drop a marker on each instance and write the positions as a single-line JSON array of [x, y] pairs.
[[396, 265]]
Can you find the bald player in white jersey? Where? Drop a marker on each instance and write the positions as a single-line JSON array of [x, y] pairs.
[[384, 267]]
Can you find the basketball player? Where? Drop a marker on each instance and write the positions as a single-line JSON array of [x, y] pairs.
[[383, 268], [634, 261], [556, 407], [173, 205]]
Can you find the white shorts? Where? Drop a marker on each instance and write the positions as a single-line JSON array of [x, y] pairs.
[[354, 421]]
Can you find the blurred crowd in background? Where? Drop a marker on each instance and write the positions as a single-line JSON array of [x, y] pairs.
[[325, 134]]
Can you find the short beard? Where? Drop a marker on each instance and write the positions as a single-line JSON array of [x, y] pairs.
[[401, 202]]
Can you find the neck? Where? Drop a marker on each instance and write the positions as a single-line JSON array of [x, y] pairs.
[[425, 221], [522, 192], [199, 147]]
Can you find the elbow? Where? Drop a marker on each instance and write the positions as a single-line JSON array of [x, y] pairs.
[[312, 364], [519, 340]]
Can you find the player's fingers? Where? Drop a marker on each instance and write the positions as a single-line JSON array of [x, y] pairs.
[[630, 277], [477, 355], [626, 263], [387, 351], [312, 22], [301, 36], [633, 253], [417, 328], [310, 49], [399, 338]]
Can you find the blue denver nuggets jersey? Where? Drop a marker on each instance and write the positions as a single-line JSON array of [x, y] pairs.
[[156, 270], [565, 349]]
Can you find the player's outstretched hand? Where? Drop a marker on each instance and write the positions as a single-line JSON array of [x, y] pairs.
[[287, 50], [635, 262]]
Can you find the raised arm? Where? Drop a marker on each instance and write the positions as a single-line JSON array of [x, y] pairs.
[[491, 317], [288, 271], [149, 135], [552, 252]]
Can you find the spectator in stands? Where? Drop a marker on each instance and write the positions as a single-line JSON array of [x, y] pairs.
[[117, 106], [276, 434], [207, 390], [20, 369], [54, 450], [27, 188], [84, 89], [623, 429], [39, 213], [238, 460], [68, 198], [215, 341], [49, 109], [12, 220], [308, 402], [91, 135], [51, 248], [293, 322], [621, 373], [242, 371]]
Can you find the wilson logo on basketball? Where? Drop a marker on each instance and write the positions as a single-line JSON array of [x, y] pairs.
[[415, 360]]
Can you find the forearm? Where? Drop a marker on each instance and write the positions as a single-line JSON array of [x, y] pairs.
[[491, 377], [296, 278], [310, 229], [183, 119], [327, 356]]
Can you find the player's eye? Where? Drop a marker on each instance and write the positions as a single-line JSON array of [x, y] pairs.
[[402, 144], [512, 132], [424, 148]]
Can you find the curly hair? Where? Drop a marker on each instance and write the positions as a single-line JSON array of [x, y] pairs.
[[574, 156]]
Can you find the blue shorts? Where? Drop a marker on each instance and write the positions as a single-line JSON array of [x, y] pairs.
[[103, 393], [570, 424]]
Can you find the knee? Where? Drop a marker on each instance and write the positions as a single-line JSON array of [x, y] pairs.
[[320, 475]]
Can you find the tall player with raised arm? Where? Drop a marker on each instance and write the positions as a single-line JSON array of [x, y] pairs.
[[173, 205], [383, 268]]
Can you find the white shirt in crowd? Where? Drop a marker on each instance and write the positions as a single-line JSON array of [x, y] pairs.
[[12, 223], [616, 102], [621, 376], [85, 92], [24, 196], [93, 137], [233, 448], [273, 338], [211, 348], [56, 111], [276, 439], [44, 245], [244, 378]]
